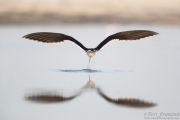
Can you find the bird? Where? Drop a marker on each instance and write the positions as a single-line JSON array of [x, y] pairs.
[[56, 97], [50, 37]]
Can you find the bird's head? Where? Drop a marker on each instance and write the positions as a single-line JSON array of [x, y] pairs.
[[91, 52]]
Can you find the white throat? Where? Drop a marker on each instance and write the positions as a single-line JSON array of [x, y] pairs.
[[90, 53]]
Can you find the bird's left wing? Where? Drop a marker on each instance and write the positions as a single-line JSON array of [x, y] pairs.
[[50, 37], [132, 102], [126, 35]]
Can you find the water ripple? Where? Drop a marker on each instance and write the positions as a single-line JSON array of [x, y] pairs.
[[89, 71]]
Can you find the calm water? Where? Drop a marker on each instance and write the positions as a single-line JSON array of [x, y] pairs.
[[147, 69]]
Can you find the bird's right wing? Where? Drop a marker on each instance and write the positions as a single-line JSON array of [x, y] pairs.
[[50, 37], [45, 96], [132, 102], [126, 35]]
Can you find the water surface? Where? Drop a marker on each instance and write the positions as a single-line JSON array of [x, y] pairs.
[[147, 69]]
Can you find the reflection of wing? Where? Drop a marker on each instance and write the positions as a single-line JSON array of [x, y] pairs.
[[50, 97], [126, 101]]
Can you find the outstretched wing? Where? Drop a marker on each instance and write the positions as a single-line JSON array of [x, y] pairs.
[[132, 102], [50, 96], [49, 37], [127, 35]]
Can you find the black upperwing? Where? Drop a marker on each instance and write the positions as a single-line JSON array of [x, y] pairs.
[[50, 37], [132, 102], [127, 35]]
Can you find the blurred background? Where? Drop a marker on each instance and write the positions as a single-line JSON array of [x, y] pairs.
[[83, 11], [146, 69]]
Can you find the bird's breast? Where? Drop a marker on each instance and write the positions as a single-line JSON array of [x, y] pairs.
[[90, 53]]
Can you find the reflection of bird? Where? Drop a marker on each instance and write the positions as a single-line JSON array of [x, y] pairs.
[[58, 37], [51, 97]]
